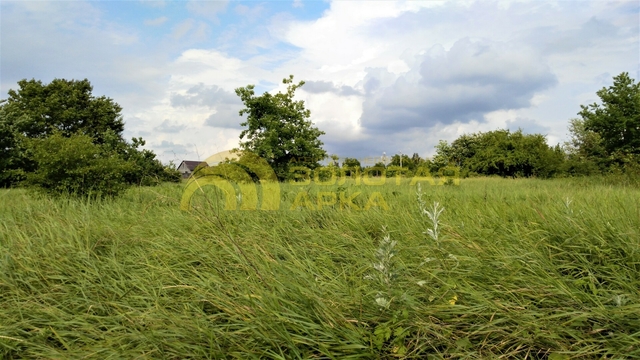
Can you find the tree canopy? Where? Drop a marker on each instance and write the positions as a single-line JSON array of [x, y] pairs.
[[617, 119], [36, 110], [502, 153], [39, 123], [606, 136], [279, 129]]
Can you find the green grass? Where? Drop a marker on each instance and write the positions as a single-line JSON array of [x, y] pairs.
[[519, 272]]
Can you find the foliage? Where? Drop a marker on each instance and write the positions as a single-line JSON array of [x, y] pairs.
[[75, 165], [145, 169], [501, 153], [606, 137], [278, 129], [351, 166], [617, 119], [378, 169], [67, 108], [585, 152], [403, 161], [11, 155]]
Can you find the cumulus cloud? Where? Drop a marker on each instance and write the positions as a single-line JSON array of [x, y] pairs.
[[380, 81], [528, 126], [171, 150], [318, 87], [225, 105], [169, 126], [469, 80], [553, 39]]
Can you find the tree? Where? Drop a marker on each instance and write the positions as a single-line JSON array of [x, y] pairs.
[[279, 131], [76, 165], [402, 161], [417, 160], [585, 152], [351, 166], [502, 153], [335, 160], [617, 120], [443, 156], [67, 108], [144, 168], [10, 153]]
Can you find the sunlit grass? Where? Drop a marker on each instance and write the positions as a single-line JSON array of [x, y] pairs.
[[540, 268]]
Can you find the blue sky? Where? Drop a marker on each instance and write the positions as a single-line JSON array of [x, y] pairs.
[[382, 76]]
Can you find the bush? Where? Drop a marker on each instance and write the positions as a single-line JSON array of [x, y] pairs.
[[145, 169], [75, 165]]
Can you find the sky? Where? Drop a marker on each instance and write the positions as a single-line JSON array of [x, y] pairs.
[[381, 76]]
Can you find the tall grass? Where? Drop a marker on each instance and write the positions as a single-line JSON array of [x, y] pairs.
[[523, 269]]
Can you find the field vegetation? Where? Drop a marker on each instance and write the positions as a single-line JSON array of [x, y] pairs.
[[522, 268]]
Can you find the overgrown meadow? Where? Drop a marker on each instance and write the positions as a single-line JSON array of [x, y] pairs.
[[537, 269]]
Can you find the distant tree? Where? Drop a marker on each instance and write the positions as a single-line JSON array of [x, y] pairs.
[[376, 170], [403, 161], [586, 154], [351, 166], [417, 160], [443, 157], [335, 160], [502, 153], [278, 129], [617, 119]]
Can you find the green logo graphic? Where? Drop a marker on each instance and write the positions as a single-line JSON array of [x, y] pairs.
[[249, 183], [227, 171]]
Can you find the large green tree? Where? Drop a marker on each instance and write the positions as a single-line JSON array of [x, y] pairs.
[[68, 109], [36, 110], [616, 121], [279, 129]]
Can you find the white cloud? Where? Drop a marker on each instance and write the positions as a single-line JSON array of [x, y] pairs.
[[494, 58], [381, 76]]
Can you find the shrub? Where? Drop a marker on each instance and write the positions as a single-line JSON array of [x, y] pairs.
[[75, 165]]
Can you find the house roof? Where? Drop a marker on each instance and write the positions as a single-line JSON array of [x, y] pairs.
[[191, 164]]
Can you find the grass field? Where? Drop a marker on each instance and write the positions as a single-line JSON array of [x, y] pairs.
[[514, 269]]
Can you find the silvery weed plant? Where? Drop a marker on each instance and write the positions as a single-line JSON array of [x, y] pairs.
[[386, 269], [433, 213]]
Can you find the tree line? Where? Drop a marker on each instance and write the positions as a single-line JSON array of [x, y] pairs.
[[60, 138], [604, 140]]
